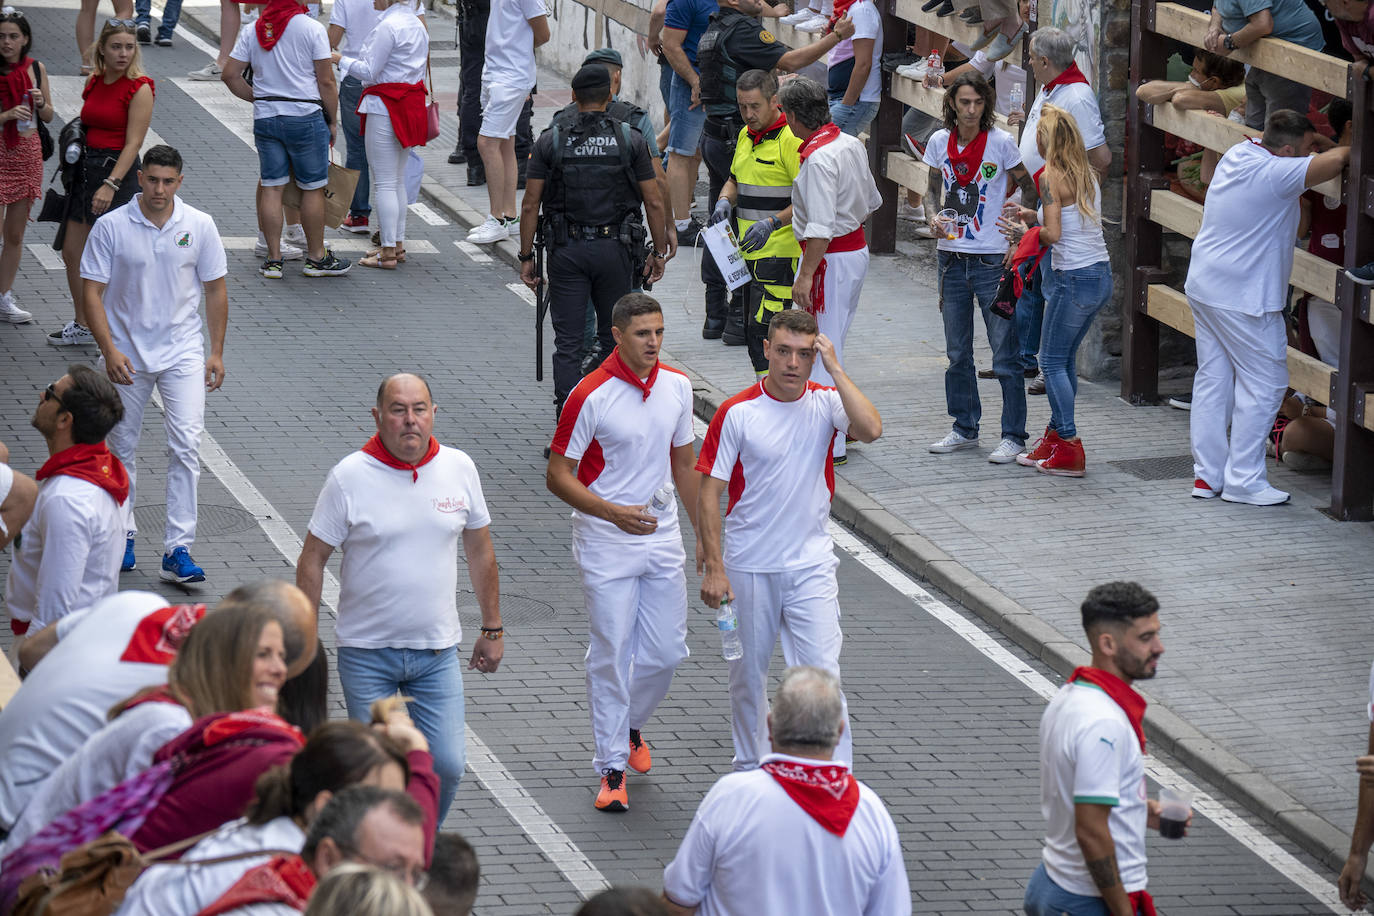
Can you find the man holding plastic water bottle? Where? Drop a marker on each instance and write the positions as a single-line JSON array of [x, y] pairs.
[[623, 440], [771, 445]]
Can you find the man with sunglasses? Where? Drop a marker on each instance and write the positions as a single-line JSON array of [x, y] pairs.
[[67, 557]]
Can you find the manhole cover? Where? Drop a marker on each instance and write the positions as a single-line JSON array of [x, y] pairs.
[[210, 520], [1167, 467], [515, 610]]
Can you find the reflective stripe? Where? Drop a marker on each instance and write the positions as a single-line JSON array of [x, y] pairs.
[[765, 190], [753, 215]]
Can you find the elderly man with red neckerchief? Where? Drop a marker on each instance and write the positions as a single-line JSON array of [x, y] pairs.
[[833, 195], [1092, 770]]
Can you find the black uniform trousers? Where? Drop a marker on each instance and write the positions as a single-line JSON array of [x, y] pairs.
[[472, 52], [599, 268], [718, 153]]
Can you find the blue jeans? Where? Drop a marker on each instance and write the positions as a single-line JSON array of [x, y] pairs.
[[962, 279], [1045, 898], [433, 678], [290, 144], [684, 130], [853, 119], [350, 90], [1030, 312], [171, 12], [1073, 298]]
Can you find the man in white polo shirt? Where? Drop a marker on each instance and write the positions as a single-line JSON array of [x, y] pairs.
[[1092, 770], [624, 438], [841, 853], [771, 446], [398, 508], [144, 269], [1237, 287]]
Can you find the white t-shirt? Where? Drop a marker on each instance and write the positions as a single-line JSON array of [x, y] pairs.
[[868, 23], [69, 556], [358, 18], [510, 42], [1243, 254], [154, 280], [288, 70], [834, 192], [776, 456], [1079, 100], [979, 203], [119, 646], [397, 51], [1089, 754], [751, 849], [622, 442], [400, 538]]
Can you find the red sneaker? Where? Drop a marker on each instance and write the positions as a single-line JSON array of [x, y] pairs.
[[1040, 450], [355, 224], [640, 758], [1203, 490], [1066, 459], [612, 796]]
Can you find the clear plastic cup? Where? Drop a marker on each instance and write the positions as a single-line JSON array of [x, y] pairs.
[[1175, 807], [949, 223]]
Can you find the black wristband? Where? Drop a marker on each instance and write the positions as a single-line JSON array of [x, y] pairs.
[[526, 258]]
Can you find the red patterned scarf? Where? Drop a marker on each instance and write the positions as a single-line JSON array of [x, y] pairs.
[[819, 137], [1131, 703], [273, 20], [1071, 74], [14, 89], [92, 463], [841, 10], [375, 448], [284, 880], [615, 365], [825, 791], [966, 163]]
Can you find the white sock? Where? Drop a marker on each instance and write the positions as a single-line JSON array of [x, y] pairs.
[[682, 223]]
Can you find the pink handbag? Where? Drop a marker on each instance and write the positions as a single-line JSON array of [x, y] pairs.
[[431, 111]]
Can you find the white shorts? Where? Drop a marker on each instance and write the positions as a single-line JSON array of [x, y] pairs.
[[6, 482], [501, 104]]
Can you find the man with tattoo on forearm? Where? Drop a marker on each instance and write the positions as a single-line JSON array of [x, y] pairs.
[[1092, 771]]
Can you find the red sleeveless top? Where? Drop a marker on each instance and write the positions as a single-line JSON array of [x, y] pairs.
[[106, 110]]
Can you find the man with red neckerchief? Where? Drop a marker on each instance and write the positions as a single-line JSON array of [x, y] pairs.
[[842, 851], [68, 557], [1092, 770], [398, 509]]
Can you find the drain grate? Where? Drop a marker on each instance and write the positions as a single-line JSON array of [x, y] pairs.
[[210, 520], [515, 609], [1165, 467]]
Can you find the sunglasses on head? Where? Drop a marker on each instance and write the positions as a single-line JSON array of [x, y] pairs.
[[50, 394], [126, 23]]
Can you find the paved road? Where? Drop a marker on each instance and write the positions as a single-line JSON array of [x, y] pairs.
[[942, 732]]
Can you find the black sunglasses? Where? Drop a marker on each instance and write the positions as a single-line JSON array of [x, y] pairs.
[[50, 394]]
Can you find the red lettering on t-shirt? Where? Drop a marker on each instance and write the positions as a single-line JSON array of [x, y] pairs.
[[158, 636]]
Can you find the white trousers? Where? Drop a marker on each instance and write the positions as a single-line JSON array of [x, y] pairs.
[[1242, 375], [386, 165], [844, 280], [636, 596], [183, 402], [803, 607]]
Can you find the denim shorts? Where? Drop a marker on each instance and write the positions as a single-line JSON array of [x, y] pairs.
[[293, 145], [684, 128]]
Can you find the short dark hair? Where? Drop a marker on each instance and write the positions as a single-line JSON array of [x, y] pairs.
[[453, 875], [798, 321], [624, 901], [341, 817], [805, 100], [760, 80], [593, 95], [337, 755], [1227, 70], [630, 306], [164, 155], [1338, 114], [381, 389], [1116, 603], [1285, 127], [983, 87], [94, 404]]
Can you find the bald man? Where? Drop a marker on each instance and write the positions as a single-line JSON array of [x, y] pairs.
[[398, 509]]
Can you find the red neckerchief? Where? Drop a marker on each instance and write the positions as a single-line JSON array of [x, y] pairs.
[[616, 367], [285, 880], [92, 463], [841, 10], [825, 791], [1142, 904], [776, 125], [1028, 249], [272, 21], [1131, 703], [375, 448], [232, 724], [819, 137], [159, 635], [14, 87], [1071, 74], [965, 165]]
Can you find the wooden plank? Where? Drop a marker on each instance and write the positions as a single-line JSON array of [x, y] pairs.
[[1184, 216], [1307, 374], [789, 36], [931, 101], [907, 172], [1291, 61], [1215, 133], [949, 26], [1369, 411]]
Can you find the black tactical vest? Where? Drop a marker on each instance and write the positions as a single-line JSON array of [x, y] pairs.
[[592, 181], [718, 70]]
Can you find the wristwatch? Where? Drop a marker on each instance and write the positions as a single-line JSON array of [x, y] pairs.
[[658, 254], [526, 258], [1229, 43]]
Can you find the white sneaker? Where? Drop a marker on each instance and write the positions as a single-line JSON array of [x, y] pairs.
[[11, 312], [1006, 451], [295, 234], [816, 23], [71, 335], [289, 252], [207, 74], [1269, 496], [953, 442], [916, 71], [493, 230], [800, 15]]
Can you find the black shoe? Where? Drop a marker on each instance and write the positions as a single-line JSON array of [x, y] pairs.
[[546, 453], [592, 359], [457, 157], [1030, 373], [1182, 401], [713, 329], [972, 15], [946, 9], [477, 175], [163, 42], [687, 238], [987, 373], [732, 335], [930, 5], [145, 34], [1037, 385]]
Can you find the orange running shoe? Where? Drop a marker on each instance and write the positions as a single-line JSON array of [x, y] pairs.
[[612, 796], [640, 758]]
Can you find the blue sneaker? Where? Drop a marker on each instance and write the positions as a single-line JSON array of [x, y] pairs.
[[178, 566], [129, 561]]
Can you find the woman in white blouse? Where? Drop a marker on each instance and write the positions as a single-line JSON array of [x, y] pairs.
[[391, 67]]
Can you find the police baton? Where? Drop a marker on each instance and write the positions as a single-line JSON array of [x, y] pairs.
[[541, 308]]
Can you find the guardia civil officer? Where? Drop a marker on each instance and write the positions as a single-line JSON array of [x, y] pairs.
[[736, 41], [591, 179]]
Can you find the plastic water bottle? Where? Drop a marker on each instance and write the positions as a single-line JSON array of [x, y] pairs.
[[24, 124], [72, 153], [662, 500], [1016, 100], [728, 624], [935, 71]]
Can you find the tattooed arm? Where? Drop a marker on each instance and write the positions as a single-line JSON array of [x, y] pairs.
[[935, 196], [1099, 852]]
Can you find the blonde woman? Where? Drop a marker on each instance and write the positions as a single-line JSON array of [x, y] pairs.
[[363, 890], [1078, 282]]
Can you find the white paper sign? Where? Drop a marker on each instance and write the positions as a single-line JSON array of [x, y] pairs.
[[721, 244]]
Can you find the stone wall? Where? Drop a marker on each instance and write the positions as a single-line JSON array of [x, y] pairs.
[[577, 29]]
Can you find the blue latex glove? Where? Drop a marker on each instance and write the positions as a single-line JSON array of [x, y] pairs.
[[759, 233], [720, 213]]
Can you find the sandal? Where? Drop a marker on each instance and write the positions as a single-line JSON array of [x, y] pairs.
[[377, 253], [376, 260]]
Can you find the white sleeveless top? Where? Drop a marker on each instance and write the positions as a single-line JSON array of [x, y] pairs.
[[1080, 240]]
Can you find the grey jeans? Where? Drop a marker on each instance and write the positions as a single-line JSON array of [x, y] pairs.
[[1266, 93]]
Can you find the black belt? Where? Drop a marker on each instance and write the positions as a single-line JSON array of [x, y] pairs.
[[721, 128], [970, 255], [588, 233]]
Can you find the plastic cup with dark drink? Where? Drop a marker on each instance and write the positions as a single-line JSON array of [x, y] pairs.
[[1175, 807]]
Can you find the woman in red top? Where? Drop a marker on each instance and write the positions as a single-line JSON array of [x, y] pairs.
[[117, 110], [23, 97]]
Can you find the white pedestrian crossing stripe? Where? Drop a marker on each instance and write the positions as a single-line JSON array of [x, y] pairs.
[[428, 214]]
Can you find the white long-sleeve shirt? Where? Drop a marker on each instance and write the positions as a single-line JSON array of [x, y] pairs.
[[395, 52], [834, 192]]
